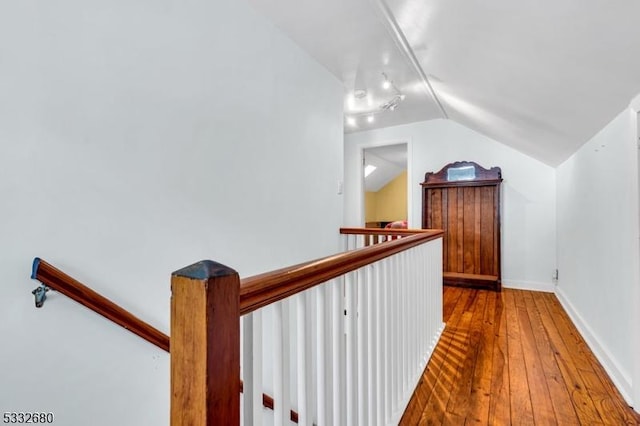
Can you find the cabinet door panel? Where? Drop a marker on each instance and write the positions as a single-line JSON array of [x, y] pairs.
[[487, 237], [468, 224], [452, 222], [477, 233]]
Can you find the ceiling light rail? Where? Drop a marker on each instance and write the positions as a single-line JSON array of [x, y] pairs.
[[401, 41]]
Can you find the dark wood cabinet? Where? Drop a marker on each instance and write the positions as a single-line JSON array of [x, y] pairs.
[[463, 199]]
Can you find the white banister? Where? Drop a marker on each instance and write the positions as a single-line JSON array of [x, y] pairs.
[[252, 368], [349, 351], [304, 360], [281, 367], [372, 384], [323, 342], [351, 348], [361, 342], [388, 339], [338, 372], [396, 362]]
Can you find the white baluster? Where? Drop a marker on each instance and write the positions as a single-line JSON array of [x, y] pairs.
[[351, 348], [395, 333], [428, 288], [410, 320], [362, 345], [408, 329], [303, 353], [432, 287], [424, 318], [415, 301], [379, 339], [338, 352], [323, 346], [388, 342], [411, 323], [252, 368], [372, 384], [281, 379], [401, 330]]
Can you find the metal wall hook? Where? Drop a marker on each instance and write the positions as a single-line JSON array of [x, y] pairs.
[[40, 294]]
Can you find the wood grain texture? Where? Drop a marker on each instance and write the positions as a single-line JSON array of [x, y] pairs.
[[519, 396], [452, 239], [513, 357], [205, 357], [74, 289], [477, 231], [468, 226]]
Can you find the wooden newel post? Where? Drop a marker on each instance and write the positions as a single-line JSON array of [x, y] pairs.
[[205, 345]]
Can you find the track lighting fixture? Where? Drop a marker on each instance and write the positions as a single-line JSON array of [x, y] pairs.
[[360, 103]]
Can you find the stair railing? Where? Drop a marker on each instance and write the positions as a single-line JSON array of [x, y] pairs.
[[364, 324], [361, 326], [52, 278]]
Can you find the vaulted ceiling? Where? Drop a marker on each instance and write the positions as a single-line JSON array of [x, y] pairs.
[[389, 161], [541, 77]]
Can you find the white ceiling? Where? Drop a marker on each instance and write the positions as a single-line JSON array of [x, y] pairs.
[[542, 77]]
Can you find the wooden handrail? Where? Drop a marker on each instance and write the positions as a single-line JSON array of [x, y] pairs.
[[384, 231], [63, 283], [264, 289], [59, 281]]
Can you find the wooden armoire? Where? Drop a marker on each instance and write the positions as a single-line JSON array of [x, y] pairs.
[[463, 199]]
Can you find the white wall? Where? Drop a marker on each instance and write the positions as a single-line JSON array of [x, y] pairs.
[[598, 245], [137, 138], [528, 191]]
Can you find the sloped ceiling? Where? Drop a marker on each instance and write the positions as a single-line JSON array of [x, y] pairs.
[[541, 77], [389, 160]]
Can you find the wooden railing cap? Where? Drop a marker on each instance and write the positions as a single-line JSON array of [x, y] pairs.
[[203, 270], [264, 289]]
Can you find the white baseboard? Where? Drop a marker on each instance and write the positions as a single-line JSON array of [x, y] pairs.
[[621, 380], [529, 285]]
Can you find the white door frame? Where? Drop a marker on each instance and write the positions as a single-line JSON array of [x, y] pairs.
[[359, 184]]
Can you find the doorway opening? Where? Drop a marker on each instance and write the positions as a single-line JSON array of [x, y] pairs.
[[385, 186]]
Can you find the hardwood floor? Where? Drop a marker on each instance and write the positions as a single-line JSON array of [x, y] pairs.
[[513, 358]]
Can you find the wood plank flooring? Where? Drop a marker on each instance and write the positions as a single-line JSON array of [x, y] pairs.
[[513, 358]]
